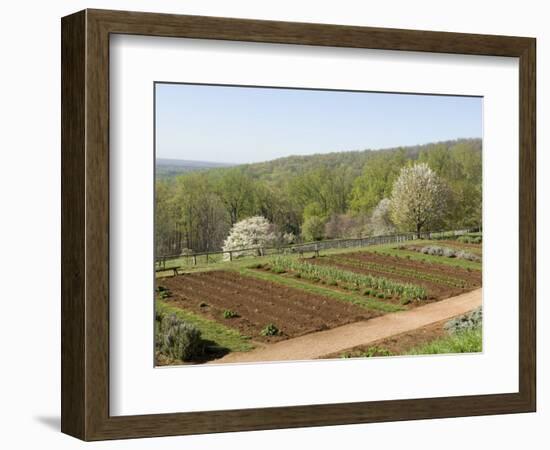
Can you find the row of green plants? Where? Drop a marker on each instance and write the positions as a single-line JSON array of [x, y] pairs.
[[401, 271], [346, 279]]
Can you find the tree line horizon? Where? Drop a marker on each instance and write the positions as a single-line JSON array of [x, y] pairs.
[[324, 196]]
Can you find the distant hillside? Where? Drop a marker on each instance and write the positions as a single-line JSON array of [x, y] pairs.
[[354, 161], [293, 165], [172, 167]]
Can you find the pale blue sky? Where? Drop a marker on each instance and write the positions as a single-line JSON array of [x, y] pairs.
[[245, 124]]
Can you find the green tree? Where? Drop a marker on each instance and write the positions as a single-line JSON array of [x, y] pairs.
[[313, 228], [200, 212], [235, 189], [376, 181], [460, 165], [275, 204], [166, 227], [327, 188]]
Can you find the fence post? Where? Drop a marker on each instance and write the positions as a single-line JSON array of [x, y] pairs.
[[230, 255], [194, 260]]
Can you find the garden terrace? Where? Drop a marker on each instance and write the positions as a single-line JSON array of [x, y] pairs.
[[440, 281], [258, 303]]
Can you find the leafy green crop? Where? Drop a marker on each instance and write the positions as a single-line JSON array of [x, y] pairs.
[[344, 278]]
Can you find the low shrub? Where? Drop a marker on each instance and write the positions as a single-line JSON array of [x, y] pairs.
[[163, 292], [270, 330], [461, 254], [432, 250], [449, 252], [435, 250], [465, 322], [376, 351], [159, 315], [228, 314], [177, 339]]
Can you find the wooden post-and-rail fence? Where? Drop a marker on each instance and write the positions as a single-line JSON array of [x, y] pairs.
[[307, 247]]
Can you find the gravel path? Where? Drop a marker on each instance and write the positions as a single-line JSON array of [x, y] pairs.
[[317, 345]]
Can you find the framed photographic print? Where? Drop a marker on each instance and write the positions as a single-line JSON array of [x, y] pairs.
[[272, 225]]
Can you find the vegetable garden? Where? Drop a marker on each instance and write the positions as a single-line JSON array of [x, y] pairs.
[[242, 305]]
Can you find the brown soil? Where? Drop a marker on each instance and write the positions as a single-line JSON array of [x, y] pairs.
[[398, 344], [422, 266], [259, 303], [437, 290], [365, 334]]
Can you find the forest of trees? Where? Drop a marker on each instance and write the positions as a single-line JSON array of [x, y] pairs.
[[325, 196]]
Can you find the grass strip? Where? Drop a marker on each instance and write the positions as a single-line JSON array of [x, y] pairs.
[[469, 341], [365, 302], [211, 331]]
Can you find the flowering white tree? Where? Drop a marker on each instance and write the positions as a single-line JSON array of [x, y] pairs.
[[380, 220], [253, 233], [419, 199]]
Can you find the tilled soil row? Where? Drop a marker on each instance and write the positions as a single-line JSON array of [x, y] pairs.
[[393, 269], [256, 290], [472, 277], [259, 303]]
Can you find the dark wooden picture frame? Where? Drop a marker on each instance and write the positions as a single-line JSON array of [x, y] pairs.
[[85, 224]]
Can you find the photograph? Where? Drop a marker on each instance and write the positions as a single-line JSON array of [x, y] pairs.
[[299, 224]]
